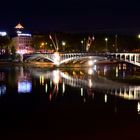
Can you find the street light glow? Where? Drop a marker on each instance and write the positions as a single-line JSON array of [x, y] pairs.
[[82, 41], [63, 43], [106, 39], [42, 44], [56, 58], [90, 62]]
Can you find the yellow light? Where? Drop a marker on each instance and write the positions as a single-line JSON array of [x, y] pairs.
[[117, 71], [41, 78], [56, 77], [42, 44], [63, 89], [81, 73], [90, 71], [63, 43], [105, 98], [90, 62], [90, 83], [46, 88], [138, 107], [74, 73], [81, 91], [56, 58]]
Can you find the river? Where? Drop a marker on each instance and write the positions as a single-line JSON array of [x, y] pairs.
[[99, 102]]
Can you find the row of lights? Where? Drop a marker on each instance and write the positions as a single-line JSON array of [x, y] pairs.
[[63, 43]]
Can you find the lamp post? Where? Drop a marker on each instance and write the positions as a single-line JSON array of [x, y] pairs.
[[43, 46], [116, 42], [63, 44], [106, 40], [82, 42]]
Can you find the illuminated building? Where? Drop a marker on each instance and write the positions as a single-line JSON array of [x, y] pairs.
[[22, 41], [3, 33]]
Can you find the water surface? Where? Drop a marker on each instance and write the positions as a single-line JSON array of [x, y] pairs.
[[64, 103]]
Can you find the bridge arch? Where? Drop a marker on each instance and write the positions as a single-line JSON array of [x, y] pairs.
[[61, 58]]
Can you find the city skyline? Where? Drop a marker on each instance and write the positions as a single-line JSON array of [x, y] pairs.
[[72, 16]]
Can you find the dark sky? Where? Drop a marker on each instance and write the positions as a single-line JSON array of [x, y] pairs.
[[72, 15]]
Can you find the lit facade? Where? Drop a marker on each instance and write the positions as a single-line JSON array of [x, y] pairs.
[[3, 33], [22, 41]]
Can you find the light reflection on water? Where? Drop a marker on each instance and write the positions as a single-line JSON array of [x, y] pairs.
[[24, 87], [84, 82]]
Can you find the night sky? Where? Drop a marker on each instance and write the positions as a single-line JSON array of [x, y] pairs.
[[72, 15]]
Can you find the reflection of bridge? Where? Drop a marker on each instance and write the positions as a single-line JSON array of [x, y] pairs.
[[115, 88], [60, 58], [129, 92]]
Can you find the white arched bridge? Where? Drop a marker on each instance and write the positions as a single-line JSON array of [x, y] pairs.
[[133, 58], [61, 58]]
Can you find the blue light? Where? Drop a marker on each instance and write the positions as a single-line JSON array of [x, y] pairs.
[[24, 87], [2, 89]]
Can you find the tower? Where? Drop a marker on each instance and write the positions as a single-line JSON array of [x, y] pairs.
[[19, 28]]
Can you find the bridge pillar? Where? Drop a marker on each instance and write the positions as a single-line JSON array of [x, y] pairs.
[[124, 57], [134, 58], [118, 56], [128, 57], [131, 57], [138, 58]]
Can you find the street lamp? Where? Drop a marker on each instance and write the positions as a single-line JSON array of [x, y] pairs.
[[138, 36], [42, 46], [116, 42], [106, 40], [63, 44], [82, 42]]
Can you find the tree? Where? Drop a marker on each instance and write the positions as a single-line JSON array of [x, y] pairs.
[[5, 42], [13, 50]]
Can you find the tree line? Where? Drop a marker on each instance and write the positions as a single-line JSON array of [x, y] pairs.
[[75, 42]]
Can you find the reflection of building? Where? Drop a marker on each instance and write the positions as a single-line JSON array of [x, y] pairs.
[[24, 81], [2, 89], [24, 86], [22, 41]]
